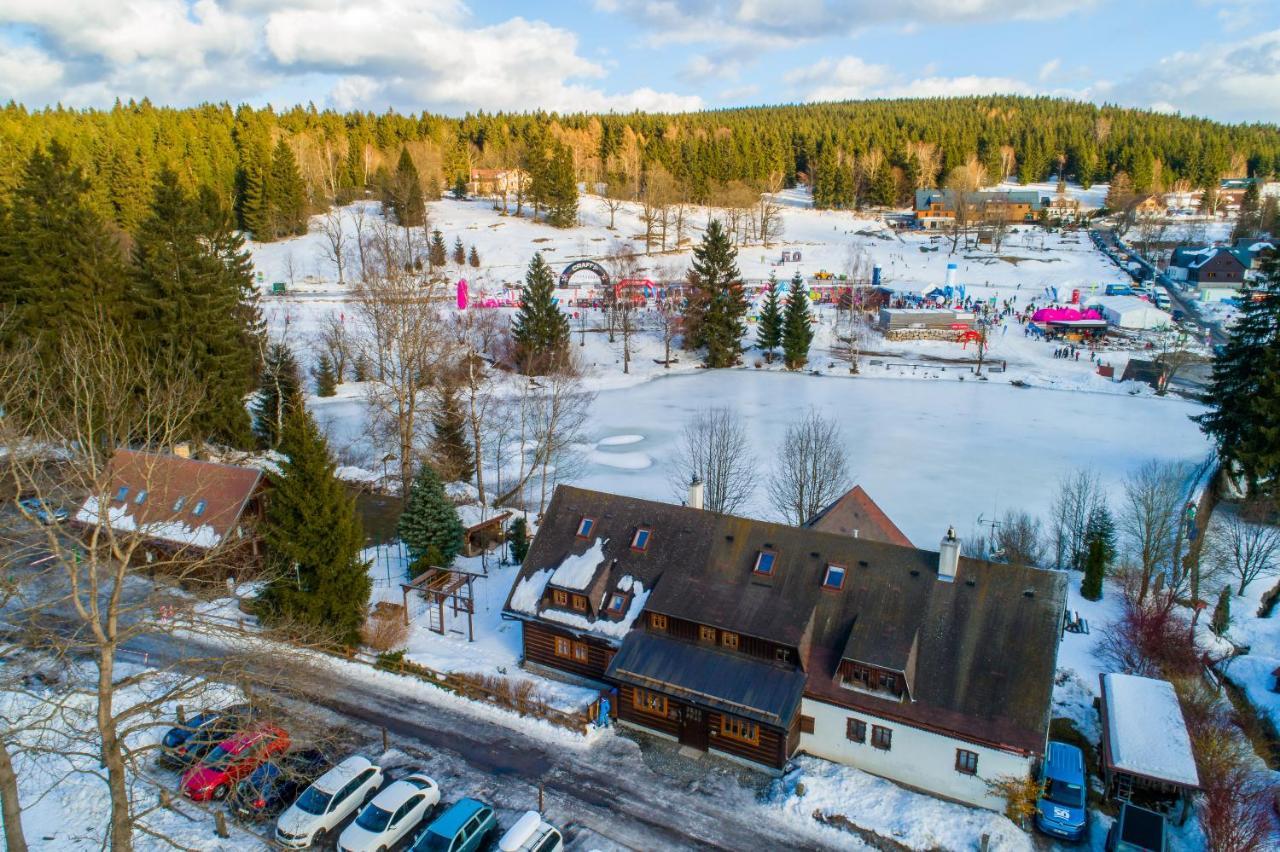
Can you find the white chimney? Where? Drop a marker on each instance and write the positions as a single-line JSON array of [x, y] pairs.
[[695, 492], [949, 556]]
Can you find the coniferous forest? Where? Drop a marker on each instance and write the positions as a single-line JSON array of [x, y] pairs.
[[272, 168]]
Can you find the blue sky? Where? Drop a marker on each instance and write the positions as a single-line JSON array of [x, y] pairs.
[[1219, 58]]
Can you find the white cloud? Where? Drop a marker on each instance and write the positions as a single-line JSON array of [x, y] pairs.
[[369, 54], [1049, 69], [850, 78], [1233, 80]]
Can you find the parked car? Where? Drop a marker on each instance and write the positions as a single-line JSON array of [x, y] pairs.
[[38, 510], [464, 827], [275, 784], [1061, 810], [186, 743], [1138, 830], [329, 800], [392, 815], [531, 833], [234, 759]]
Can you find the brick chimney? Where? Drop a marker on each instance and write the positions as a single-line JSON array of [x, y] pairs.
[[695, 493], [949, 556]]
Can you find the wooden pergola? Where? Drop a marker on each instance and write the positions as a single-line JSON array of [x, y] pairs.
[[438, 586]]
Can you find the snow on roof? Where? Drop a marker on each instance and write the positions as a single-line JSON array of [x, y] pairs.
[[527, 595], [119, 519], [576, 572], [1146, 732]]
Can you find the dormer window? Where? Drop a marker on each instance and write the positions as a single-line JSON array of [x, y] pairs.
[[640, 541], [122, 493], [141, 498], [560, 597], [580, 603], [617, 602], [764, 562], [585, 526], [198, 509], [834, 578]]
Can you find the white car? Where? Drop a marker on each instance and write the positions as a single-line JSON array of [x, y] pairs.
[[391, 815], [532, 833], [329, 800]]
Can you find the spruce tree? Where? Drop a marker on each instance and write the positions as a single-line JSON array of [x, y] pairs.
[[429, 525], [460, 189], [408, 207], [61, 264], [279, 393], [716, 304], [450, 446], [769, 329], [561, 189], [256, 213], [459, 252], [518, 539], [797, 332], [474, 257], [1094, 570], [1244, 396], [1222, 612], [188, 291], [312, 535], [287, 192], [437, 255], [326, 378], [540, 329], [1101, 526], [884, 189]]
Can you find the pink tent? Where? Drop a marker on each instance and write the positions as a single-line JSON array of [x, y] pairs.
[[1064, 315], [462, 294]]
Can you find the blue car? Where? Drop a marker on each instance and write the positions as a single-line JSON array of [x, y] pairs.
[[275, 784], [464, 827], [1061, 811]]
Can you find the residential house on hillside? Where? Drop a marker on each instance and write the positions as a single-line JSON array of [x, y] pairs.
[[1215, 271], [495, 182], [1061, 208], [1148, 206], [182, 506], [758, 640]]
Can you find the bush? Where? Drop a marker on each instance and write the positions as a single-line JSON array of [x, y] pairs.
[[1151, 639], [385, 630], [1020, 794]]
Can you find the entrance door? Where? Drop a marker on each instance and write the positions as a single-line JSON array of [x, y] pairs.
[[693, 728]]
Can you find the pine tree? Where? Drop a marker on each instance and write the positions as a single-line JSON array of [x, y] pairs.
[[287, 192], [1222, 612], [128, 188], [279, 393], [459, 252], [797, 332], [884, 189], [716, 304], [408, 207], [450, 445], [188, 290], [561, 189], [1244, 419], [1250, 213], [312, 535], [256, 214], [61, 265], [326, 378], [1101, 526], [518, 539], [460, 188], [1094, 571], [769, 328], [474, 258], [429, 525], [437, 255], [540, 329]]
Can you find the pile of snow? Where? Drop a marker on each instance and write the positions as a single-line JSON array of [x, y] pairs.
[[577, 571], [119, 519]]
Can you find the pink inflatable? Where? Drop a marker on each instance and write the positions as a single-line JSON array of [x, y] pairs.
[[1064, 315]]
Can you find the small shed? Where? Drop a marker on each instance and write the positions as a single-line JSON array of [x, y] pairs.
[[482, 534], [1146, 749], [1131, 312]]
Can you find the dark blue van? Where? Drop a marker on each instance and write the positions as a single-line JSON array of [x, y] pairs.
[[1061, 811]]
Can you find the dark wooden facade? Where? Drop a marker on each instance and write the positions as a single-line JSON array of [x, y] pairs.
[[692, 631], [872, 678], [540, 647], [702, 728]]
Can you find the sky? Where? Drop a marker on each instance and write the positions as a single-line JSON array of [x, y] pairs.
[[1216, 58]]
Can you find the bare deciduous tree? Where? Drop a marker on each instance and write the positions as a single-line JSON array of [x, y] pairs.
[[1079, 494], [476, 335], [334, 340], [1243, 543], [714, 447], [336, 244], [1148, 519], [1017, 539], [810, 470]]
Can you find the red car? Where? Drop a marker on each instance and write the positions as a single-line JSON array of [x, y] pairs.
[[234, 759]]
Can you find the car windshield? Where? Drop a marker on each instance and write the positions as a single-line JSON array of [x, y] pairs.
[[219, 758], [373, 818], [432, 842], [314, 801], [1062, 793]]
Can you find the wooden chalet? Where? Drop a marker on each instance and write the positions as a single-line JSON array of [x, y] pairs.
[[180, 505], [759, 640]]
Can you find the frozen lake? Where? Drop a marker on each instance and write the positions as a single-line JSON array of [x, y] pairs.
[[931, 453]]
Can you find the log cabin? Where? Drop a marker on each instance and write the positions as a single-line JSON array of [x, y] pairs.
[[758, 640]]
